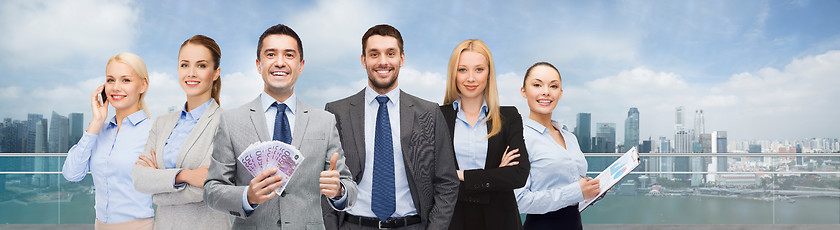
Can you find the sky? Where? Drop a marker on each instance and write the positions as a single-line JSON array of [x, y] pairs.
[[757, 69]]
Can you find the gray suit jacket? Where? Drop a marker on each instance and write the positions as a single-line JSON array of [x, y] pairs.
[[182, 207], [426, 148], [300, 204]]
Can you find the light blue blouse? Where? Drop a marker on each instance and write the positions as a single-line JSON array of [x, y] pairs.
[[555, 171], [470, 139], [110, 156], [179, 134]]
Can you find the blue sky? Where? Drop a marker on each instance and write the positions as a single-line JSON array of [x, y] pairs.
[[758, 69]]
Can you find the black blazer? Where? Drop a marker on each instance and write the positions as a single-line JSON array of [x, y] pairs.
[[485, 197]]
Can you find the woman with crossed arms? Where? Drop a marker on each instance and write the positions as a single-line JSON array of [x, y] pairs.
[[486, 138], [174, 163]]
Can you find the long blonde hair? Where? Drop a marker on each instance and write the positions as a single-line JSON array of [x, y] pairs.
[[136, 63], [491, 94]]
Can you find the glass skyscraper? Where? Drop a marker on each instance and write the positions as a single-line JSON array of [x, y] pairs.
[[583, 131], [631, 129]]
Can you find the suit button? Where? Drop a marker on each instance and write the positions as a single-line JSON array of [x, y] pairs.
[[487, 185]]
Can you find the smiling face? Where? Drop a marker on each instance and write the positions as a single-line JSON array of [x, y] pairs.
[[542, 89], [382, 60], [279, 63], [195, 71], [471, 74], [123, 86]]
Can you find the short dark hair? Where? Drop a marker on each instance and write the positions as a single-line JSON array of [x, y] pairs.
[[280, 29], [528, 72], [382, 30]]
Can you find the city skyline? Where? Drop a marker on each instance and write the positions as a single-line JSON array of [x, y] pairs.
[[755, 68], [72, 128]]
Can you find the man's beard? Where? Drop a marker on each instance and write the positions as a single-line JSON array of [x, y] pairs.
[[383, 86]]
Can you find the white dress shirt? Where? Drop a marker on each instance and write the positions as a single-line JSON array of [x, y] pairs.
[[405, 203]]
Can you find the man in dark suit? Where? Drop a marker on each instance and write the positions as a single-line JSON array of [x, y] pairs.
[[397, 146]]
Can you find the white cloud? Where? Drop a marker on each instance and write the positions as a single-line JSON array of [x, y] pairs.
[[11, 92], [605, 46], [239, 88], [64, 99], [795, 102], [40, 32], [164, 92], [336, 29], [426, 85]]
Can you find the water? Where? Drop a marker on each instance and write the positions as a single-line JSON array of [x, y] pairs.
[[615, 209], [640, 209]]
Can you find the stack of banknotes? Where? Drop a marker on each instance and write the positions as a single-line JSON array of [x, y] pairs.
[[262, 156]]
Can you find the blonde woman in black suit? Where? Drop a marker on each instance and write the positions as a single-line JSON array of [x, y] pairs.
[[487, 139]]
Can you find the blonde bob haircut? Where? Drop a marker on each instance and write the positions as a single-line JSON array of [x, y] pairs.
[[491, 94], [136, 63]]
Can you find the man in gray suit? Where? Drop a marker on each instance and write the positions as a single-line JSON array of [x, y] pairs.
[[397, 146], [277, 114]]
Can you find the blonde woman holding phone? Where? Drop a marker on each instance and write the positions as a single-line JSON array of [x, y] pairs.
[[109, 148]]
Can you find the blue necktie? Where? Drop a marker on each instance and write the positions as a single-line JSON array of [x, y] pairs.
[[281, 124], [383, 202]]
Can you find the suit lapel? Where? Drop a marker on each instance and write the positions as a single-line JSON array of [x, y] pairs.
[[450, 115], [406, 129], [258, 119], [168, 125], [196, 132], [301, 121], [357, 114], [494, 157]]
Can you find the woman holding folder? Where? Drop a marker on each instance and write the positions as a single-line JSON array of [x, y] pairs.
[[487, 139], [176, 157], [558, 168]]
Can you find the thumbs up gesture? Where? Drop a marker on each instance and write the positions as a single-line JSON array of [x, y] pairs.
[[330, 180]]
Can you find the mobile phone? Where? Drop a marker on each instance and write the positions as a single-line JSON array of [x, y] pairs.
[[102, 96]]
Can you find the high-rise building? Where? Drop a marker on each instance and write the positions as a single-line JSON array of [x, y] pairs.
[[679, 116], [682, 144], [719, 164], [645, 147], [754, 148], [41, 141], [696, 166], [699, 124], [583, 132], [59, 133], [603, 142], [606, 132], [682, 141], [12, 135], [76, 127], [32, 134], [666, 164], [631, 129], [706, 143], [719, 142]]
